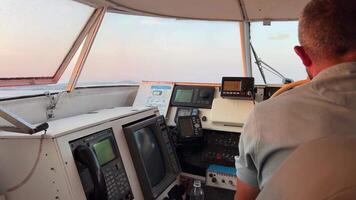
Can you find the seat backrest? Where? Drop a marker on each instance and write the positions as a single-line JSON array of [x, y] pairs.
[[321, 169]]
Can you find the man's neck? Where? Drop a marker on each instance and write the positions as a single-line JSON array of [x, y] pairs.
[[327, 63]]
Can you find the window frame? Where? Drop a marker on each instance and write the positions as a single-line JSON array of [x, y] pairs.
[[27, 81], [244, 30], [88, 34]]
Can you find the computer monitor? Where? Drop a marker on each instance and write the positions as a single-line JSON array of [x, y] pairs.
[[153, 155]]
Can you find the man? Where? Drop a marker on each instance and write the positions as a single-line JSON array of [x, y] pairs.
[[325, 106]]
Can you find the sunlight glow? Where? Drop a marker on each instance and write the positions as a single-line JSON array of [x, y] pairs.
[[35, 35]]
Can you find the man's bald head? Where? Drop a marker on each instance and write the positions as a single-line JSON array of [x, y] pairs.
[[327, 28]]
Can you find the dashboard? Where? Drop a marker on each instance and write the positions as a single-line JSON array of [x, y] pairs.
[[206, 122], [107, 154]]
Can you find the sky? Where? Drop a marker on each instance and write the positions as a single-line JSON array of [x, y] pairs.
[[146, 48], [35, 35], [275, 45], [135, 48]]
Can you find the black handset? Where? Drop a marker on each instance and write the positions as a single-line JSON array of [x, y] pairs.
[[100, 167], [86, 156]]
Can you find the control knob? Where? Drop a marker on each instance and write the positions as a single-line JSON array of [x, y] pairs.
[[231, 183], [214, 180]]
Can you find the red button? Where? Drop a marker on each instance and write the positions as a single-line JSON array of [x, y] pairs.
[[218, 156]]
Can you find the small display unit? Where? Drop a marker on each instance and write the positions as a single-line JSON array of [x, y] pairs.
[[193, 96], [153, 155], [189, 128], [237, 87], [183, 111], [100, 167]]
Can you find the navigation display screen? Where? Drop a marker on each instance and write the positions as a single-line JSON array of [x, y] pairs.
[[104, 151], [151, 154], [232, 85], [184, 96]]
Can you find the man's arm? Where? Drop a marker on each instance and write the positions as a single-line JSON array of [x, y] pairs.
[[245, 191], [247, 183]]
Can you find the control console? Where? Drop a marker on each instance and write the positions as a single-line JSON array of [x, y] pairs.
[[221, 148], [217, 147], [221, 177], [100, 167]]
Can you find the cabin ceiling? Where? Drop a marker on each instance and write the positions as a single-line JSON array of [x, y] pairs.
[[227, 10]]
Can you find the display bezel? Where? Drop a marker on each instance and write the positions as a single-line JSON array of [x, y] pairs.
[[196, 101], [229, 87], [179, 91], [113, 157], [181, 128], [246, 88], [151, 192]]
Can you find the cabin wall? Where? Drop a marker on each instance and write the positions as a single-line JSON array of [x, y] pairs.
[[80, 101]]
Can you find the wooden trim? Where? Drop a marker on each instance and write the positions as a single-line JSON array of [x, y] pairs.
[[198, 84], [185, 83], [86, 50], [68, 58], [10, 82], [245, 49]]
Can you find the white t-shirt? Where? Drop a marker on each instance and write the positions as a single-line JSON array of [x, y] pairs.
[[276, 127]]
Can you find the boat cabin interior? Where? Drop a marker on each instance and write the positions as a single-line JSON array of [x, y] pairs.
[[180, 79]]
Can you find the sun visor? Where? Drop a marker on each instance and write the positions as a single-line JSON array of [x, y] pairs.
[[225, 10]]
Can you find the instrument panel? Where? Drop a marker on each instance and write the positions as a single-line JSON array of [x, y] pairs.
[[237, 87], [193, 96]]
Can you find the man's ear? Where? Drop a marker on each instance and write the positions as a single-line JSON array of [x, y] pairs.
[[303, 56]]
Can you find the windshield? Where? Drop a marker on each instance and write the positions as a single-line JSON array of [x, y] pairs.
[[129, 49], [36, 35], [274, 45]]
